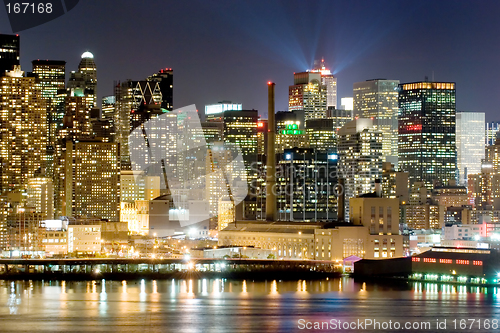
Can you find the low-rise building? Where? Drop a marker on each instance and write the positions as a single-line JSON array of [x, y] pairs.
[[84, 236]]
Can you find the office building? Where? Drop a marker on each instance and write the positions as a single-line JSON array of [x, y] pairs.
[[306, 185], [51, 78], [378, 99], [290, 131], [311, 240], [394, 183], [131, 97], [426, 141], [421, 212], [9, 52], [84, 236], [91, 180], [213, 131], [360, 158], [484, 188], [215, 112], [492, 155], [23, 134], [381, 217], [40, 196], [470, 132], [340, 117], [165, 79], [328, 80], [136, 185], [108, 107], [83, 83], [240, 133], [308, 96], [322, 135], [492, 129], [25, 232], [450, 195]]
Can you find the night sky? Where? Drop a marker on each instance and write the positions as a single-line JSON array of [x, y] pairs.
[[228, 50]]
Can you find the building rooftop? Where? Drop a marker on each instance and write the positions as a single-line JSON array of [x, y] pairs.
[[284, 227]]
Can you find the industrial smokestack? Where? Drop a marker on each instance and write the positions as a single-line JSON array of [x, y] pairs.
[[271, 156], [341, 200]]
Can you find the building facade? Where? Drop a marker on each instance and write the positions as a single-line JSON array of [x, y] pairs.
[[378, 99], [470, 136], [308, 96], [426, 141], [360, 158]]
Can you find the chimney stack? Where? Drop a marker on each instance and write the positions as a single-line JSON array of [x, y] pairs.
[[341, 200], [271, 157]]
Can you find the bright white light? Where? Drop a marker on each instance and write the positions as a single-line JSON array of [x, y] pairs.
[[87, 54], [476, 237], [288, 156]]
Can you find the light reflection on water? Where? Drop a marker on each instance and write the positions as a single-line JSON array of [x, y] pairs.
[[220, 305]]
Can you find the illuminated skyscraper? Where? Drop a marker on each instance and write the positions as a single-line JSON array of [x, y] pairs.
[[470, 143], [23, 133], [322, 135], [328, 80], [131, 97], [50, 76], [40, 196], [308, 96], [91, 180], [290, 131], [165, 79], [213, 131], [83, 83], [108, 108], [426, 141], [340, 117], [215, 112], [23, 140], [360, 158], [306, 186], [378, 99], [9, 52], [240, 131], [492, 129]]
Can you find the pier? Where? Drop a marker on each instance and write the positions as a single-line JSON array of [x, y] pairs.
[[93, 268]]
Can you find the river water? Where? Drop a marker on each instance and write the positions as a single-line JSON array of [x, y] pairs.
[[216, 305]]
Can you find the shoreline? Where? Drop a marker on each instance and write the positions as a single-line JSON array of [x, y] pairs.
[[256, 276]]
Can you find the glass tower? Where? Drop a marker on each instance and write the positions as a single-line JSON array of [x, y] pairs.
[[308, 96], [426, 139], [9, 52], [378, 99], [470, 143]]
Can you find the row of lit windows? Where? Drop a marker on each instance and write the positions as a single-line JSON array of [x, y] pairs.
[[449, 261]]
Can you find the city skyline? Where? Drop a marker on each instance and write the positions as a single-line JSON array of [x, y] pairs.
[[355, 47]]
